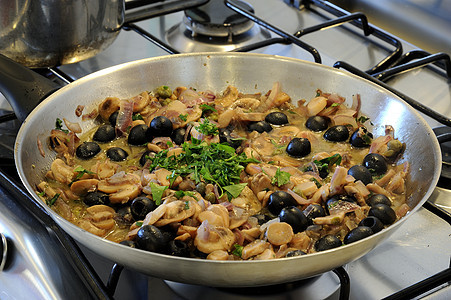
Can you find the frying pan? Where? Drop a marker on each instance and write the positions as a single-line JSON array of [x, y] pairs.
[[250, 73]]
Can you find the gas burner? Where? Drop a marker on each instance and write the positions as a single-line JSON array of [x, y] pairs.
[[215, 27], [215, 19], [319, 287], [445, 146]]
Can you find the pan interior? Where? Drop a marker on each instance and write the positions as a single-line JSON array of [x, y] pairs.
[[250, 73]]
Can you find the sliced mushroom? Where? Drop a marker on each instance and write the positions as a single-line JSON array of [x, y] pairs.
[[176, 211], [84, 186], [109, 106], [140, 101], [255, 248], [122, 187], [218, 255], [62, 172], [279, 233], [247, 201], [213, 238]]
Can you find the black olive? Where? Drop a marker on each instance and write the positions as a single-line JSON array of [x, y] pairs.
[[262, 219], [361, 138], [361, 173], [295, 217], [145, 157], [113, 118], [96, 198], [87, 150], [226, 136], [151, 238], [376, 163], [317, 123], [137, 135], [294, 253], [299, 147], [356, 234], [128, 243], [178, 135], [160, 126], [141, 206], [384, 213], [276, 118], [279, 200], [327, 242], [124, 214], [260, 127], [338, 133], [378, 198], [116, 154], [372, 222], [105, 133], [178, 248], [314, 211]]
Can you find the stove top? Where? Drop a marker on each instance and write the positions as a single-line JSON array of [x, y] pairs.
[[416, 251]]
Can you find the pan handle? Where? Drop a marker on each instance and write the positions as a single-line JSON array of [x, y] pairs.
[[22, 87]]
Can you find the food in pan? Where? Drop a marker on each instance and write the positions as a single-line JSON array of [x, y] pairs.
[[227, 176]]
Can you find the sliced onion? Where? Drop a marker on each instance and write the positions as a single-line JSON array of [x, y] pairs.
[[124, 117], [74, 127], [203, 231]]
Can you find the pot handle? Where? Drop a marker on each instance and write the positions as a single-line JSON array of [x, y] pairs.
[[22, 87]]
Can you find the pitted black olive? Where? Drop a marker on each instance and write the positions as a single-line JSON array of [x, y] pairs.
[[137, 135], [113, 118], [178, 248], [376, 163], [96, 198], [317, 123], [384, 213], [338, 133], [314, 211], [260, 127], [116, 154], [377, 199], [262, 219], [160, 126], [105, 133], [372, 222], [279, 200], [294, 253], [356, 234], [141, 206], [226, 136], [145, 157], [151, 238], [276, 118], [178, 135], [87, 150], [361, 173], [361, 138], [327, 242], [299, 147], [295, 217], [124, 214]]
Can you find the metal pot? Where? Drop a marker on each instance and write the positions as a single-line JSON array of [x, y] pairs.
[[250, 73], [45, 33]]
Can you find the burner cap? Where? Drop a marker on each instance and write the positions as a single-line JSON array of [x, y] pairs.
[[217, 20]]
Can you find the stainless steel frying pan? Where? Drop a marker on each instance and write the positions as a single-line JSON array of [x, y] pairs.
[[250, 73]]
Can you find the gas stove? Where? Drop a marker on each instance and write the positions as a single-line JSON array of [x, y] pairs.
[[310, 30]]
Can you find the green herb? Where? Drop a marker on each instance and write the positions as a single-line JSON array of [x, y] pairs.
[[318, 184], [183, 117], [80, 172], [325, 164], [139, 223], [212, 163], [335, 104], [186, 205], [170, 144], [362, 119], [280, 178], [238, 251], [137, 117], [235, 189], [59, 125], [157, 192], [207, 128], [181, 194], [41, 194], [206, 107], [53, 200], [291, 112]]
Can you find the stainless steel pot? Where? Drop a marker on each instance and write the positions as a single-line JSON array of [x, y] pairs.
[[250, 73], [43, 33]]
